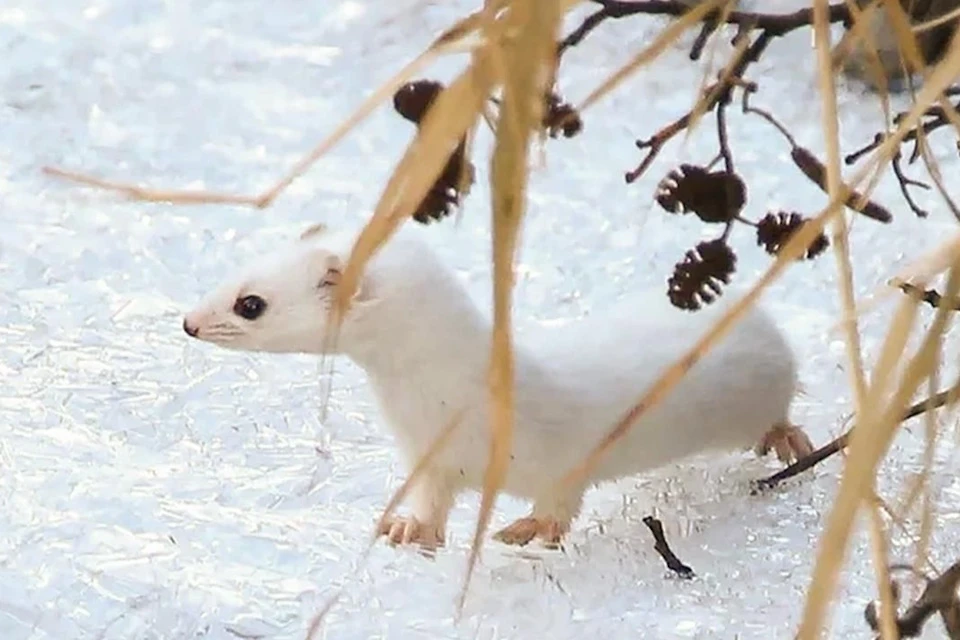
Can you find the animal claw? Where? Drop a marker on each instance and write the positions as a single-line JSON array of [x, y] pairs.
[[523, 531], [407, 530], [789, 442]]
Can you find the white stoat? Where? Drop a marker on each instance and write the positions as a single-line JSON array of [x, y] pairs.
[[425, 345]]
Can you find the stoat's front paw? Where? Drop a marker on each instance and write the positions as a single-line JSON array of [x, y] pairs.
[[526, 529], [405, 530], [789, 441]]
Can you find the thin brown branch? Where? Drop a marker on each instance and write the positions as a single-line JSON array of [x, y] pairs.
[[938, 119], [776, 24], [939, 597], [719, 94], [814, 169], [656, 143], [723, 139], [934, 172], [905, 184], [840, 443]]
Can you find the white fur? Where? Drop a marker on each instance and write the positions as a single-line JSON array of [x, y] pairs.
[[424, 345]]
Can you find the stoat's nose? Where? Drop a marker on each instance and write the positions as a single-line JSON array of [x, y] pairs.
[[191, 331]]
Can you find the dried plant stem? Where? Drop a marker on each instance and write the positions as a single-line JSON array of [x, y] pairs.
[[868, 444], [878, 544], [525, 81], [454, 110], [839, 236], [869, 441]]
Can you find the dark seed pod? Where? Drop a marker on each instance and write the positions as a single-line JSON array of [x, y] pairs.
[[715, 197], [776, 228], [445, 195], [871, 611], [561, 117], [414, 98], [697, 279], [817, 173], [412, 101]]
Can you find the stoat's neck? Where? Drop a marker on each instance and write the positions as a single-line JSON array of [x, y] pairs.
[[428, 331]]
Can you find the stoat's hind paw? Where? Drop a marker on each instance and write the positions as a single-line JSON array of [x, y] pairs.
[[526, 529], [788, 441], [405, 530]]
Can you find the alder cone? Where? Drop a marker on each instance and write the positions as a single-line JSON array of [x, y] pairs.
[[715, 197], [698, 279], [775, 229]]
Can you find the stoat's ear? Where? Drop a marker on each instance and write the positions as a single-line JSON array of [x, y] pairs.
[[333, 273], [313, 230]]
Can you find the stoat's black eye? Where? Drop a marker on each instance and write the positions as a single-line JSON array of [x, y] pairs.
[[250, 307]]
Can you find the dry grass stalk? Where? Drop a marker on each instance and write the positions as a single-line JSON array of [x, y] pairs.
[[911, 59], [525, 82], [455, 110], [936, 22], [875, 427], [895, 343], [888, 612], [840, 241]]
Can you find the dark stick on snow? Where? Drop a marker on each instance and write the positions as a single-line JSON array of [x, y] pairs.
[[940, 596], [660, 545]]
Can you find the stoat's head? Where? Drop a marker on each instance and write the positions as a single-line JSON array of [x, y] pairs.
[[283, 303]]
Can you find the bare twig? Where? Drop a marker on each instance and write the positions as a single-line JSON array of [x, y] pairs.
[[656, 143], [813, 168], [938, 120], [776, 24], [939, 596], [660, 544], [935, 117], [769, 25], [718, 93], [905, 183], [840, 443]]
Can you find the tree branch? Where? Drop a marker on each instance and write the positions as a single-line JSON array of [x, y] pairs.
[[838, 444], [775, 24]]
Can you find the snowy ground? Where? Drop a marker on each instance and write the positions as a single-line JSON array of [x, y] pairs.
[[154, 487]]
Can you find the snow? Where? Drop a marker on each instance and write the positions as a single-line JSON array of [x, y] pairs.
[[155, 487]]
